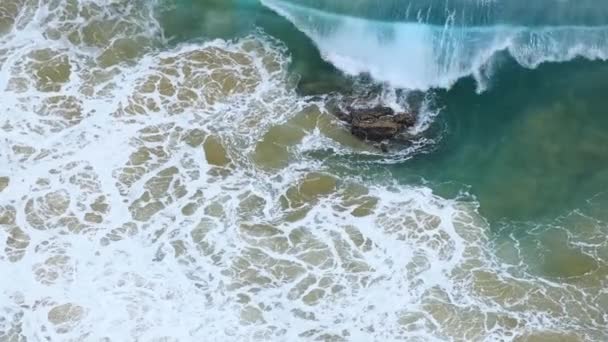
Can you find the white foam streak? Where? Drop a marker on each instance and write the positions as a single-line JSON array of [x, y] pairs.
[[422, 56], [119, 223]]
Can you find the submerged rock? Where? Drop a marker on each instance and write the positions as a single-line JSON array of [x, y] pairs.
[[377, 123]]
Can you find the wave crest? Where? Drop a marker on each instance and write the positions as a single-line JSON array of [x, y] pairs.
[[419, 55]]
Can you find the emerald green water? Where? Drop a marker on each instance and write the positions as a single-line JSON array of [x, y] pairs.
[[186, 20], [530, 148], [171, 170]]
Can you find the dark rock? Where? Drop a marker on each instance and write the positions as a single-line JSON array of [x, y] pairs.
[[342, 115], [377, 123]]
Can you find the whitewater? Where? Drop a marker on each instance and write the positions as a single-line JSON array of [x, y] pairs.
[[424, 44], [152, 191]]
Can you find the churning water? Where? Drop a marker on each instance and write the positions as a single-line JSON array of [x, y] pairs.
[[154, 189]]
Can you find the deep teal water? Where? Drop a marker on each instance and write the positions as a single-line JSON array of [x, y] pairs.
[[187, 190], [185, 20], [532, 146], [531, 149], [470, 13]]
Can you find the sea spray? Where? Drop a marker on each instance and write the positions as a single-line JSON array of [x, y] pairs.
[[154, 192], [422, 54]]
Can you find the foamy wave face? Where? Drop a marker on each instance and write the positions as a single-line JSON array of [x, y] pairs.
[[173, 195], [421, 55]]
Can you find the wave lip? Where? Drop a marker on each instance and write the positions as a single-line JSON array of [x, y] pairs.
[[418, 55], [536, 13]]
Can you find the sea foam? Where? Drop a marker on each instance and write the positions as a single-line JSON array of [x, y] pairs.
[[421, 55], [170, 194]]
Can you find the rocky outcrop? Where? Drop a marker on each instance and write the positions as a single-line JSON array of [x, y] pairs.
[[376, 123]]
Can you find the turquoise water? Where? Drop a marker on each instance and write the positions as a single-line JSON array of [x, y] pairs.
[[171, 171], [185, 20], [469, 13], [530, 148]]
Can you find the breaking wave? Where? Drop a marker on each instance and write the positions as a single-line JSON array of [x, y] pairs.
[[435, 46], [181, 193]]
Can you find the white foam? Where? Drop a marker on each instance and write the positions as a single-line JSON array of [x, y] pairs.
[[204, 275], [424, 56]]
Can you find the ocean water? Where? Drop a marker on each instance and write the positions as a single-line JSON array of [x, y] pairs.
[[170, 171]]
